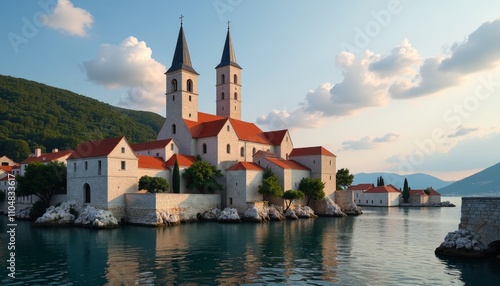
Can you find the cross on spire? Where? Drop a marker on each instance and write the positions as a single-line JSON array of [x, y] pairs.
[[228, 22], [181, 18]]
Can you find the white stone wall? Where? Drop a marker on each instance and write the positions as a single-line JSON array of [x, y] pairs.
[[227, 136], [434, 199], [165, 174], [381, 199], [185, 205], [229, 106], [323, 167], [236, 190], [482, 216], [286, 147], [164, 153], [212, 149]]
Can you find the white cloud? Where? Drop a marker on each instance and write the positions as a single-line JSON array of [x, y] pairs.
[[129, 65], [372, 80], [462, 131], [368, 142], [281, 119], [68, 18]]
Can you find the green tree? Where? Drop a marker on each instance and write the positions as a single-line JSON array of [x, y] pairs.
[[380, 181], [313, 189], [176, 179], [344, 179], [2, 196], [203, 177], [428, 191], [153, 184], [291, 195], [270, 186], [42, 180], [406, 192], [16, 149]]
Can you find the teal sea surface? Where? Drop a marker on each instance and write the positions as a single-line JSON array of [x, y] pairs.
[[384, 246]]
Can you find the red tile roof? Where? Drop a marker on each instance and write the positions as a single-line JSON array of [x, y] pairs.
[[245, 166], [265, 154], [422, 193], [360, 187], [182, 160], [158, 144], [48, 157], [247, 131], [148, 162], [99, 148], [308, 151], [383, 189], [287, 164], [7, 169], [276, 137]]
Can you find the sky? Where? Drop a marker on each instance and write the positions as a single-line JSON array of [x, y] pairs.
[[387, 86]]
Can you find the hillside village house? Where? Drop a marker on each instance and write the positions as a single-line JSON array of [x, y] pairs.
[[421, 197], [381, 196], [101, 173]]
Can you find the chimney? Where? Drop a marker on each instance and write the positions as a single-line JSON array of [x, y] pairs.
[[55, 150], [38, 152]]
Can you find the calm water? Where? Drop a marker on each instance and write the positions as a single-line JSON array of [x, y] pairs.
[[381, 247]]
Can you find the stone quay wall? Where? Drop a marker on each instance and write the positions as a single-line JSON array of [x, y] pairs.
[[186, 206], [482, 216]]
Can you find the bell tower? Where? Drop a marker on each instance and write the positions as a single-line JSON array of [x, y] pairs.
[[228, 82]]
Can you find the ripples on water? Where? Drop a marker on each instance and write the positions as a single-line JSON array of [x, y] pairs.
[[381, 247]]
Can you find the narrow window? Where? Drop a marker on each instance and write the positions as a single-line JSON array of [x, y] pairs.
[[86, 165], [174, 85], [189, 114], [86, 193], [99, 167], [222, 96], [123, 165], [123, 149], [190, 98], [330, 162], [254, 150], [227, 127], [380, 201], [204, 147], [287, 156], [173, 97], [223, 108], [242, 152], [236, 95], [74, 167], [235, 79], [157, 154], [230, 201], [228, 149], [222, 79], [189, 85], [172, 146], [173, 129]]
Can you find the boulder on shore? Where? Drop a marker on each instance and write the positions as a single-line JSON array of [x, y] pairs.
[[276, 213], [254, 214], [327, 207], [96, 218], [463, 242], [304, 212], [210, 215], [290, 214], [58, 216], [23, 212], [159, 218], [229, 215], [352, 209]]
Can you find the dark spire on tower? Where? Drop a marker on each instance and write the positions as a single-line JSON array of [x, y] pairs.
[[181, 59], [228, 55]]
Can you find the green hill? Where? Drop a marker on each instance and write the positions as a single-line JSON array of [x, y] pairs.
[[34, 115], [484, 183]]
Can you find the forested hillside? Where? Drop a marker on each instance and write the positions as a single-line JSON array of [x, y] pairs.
[[36, 115]]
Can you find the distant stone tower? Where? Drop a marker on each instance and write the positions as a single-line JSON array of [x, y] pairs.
[[228, 82]]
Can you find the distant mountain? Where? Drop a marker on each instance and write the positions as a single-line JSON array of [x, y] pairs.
[[415, 181], [484, 183], [35, 115]]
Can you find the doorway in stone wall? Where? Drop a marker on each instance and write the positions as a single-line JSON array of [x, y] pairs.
[[86, 193]]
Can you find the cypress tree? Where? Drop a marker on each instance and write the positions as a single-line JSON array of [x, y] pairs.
[[176, 179], [406, 192]]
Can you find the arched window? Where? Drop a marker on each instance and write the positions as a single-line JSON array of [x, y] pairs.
[[174, 85], [222, 79], [235, 79], [236, 95], [86, 193], [174, 129], [189, 85], [222, 96], [228, 149], [204, 147], [242, 152]]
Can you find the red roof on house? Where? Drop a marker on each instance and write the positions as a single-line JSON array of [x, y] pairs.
[[383, 189], [245, 166], [360, 187], [287, 164], [422, 193], [7, 169], [210, 125], [148, 162], [182, 160], [158, 144], [4, 178], [99, 148], [308, 151], [48, 157], [276, 137]]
